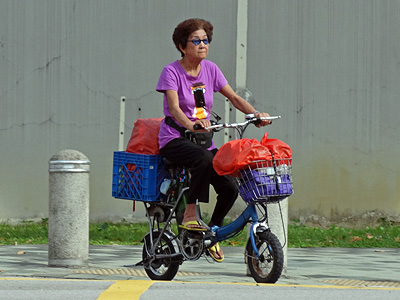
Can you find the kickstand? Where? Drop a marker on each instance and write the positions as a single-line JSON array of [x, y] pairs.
[[140, 263], [208, 258]]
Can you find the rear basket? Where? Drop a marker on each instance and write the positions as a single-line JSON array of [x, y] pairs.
[[137, 176]]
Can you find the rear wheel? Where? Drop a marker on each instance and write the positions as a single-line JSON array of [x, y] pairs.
[[267, 268], [161, 268]]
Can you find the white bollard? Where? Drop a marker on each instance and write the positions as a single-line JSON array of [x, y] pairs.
[[279, 226], [68, 209]]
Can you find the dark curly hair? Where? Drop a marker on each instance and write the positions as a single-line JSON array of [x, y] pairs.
[[185, 28]]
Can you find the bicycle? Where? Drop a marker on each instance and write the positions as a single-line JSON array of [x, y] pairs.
[[164, 251]]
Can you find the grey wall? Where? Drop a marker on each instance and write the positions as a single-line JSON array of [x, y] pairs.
[[330, 68]]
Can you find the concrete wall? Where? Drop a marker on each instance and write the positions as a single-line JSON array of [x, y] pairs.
[[330, 68]]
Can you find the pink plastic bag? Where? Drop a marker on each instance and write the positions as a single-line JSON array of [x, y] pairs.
[[237, 154], [144, 137], [278, 148]]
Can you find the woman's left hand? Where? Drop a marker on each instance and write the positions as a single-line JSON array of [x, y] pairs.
[[263, 122]]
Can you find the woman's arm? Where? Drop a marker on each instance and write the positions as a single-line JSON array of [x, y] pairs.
[[177, 113], [237, 101], [241, 104]]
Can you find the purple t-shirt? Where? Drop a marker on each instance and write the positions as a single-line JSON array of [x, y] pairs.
[[174, 77]]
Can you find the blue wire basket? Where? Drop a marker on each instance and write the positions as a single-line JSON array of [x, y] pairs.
[[265, 181]]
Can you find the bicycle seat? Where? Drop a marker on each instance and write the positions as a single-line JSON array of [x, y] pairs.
[[169, 164]]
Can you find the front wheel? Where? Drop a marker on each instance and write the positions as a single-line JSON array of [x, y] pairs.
[[267, 268], [165, 267]]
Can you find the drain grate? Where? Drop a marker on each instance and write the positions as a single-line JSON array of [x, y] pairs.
[[363, 283], [130, 272]]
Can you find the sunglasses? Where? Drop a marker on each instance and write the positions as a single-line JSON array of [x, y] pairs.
[[197, 42]]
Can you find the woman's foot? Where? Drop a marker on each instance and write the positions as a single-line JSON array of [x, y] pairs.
[[190, 221], [216, 253]]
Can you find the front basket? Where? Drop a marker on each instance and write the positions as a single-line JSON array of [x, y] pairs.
[[265, 181]]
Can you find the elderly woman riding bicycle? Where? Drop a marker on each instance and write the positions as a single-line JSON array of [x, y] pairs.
[[188, 85]]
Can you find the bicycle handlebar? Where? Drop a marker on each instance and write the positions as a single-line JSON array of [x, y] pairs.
[[250, 118]]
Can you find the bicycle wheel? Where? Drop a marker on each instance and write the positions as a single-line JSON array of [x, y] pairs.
[[162, 268], [267, 268]]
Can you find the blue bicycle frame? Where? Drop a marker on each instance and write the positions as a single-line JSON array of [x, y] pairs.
[[225, 232]]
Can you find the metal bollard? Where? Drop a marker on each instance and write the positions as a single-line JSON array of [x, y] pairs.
[[68, 209]]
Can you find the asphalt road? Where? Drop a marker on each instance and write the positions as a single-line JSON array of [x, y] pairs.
[[46, 289]]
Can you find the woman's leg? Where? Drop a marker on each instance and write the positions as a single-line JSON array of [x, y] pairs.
[[226, 190], [226, 197], [183, 152], [227, 194]]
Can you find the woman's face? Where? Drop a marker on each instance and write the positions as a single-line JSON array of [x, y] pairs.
[[196, 52]]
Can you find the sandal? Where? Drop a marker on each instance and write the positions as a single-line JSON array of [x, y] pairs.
[[193, 225], [214, 253]]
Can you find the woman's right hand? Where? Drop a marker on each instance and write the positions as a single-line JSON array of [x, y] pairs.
[[203, 123]]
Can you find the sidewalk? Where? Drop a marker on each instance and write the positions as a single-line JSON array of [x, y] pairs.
[[308, 266]]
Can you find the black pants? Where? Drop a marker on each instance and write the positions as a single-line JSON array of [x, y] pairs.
[[183, 152]]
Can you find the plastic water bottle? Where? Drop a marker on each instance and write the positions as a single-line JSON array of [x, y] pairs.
[[282, 169], [165, 186]]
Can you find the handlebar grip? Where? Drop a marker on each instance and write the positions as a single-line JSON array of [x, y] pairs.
[[258, 122], [197, 127]]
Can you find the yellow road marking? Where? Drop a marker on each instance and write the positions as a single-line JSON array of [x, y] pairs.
[[134, 288], [126, 289]]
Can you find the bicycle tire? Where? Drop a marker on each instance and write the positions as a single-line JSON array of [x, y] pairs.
[[160, 269], [268, 267]]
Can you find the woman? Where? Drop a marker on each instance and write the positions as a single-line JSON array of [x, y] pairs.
[[188, 86]]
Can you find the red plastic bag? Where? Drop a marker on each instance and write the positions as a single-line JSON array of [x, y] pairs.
[[237, 154], [144, 137], [279, 149]]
